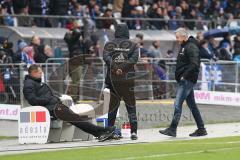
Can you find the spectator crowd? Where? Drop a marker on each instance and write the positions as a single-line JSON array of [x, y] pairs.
[[34, 52], [170, 13]]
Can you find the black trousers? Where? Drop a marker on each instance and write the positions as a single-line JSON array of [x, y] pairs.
[[122, 90], [64, 113]]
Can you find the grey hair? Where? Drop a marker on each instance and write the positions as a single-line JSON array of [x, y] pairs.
[[182, 31]]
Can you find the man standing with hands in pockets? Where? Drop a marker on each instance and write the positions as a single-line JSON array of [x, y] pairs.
[[186, 75]]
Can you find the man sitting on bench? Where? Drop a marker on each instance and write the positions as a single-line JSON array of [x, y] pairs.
[[40, 94]]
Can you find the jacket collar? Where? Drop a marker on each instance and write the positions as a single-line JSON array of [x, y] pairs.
[[38, 80]]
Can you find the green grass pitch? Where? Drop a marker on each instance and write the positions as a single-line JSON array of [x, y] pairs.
[[227, 148]]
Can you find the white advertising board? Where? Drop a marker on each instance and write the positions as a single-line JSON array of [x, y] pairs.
[[9, 112], [217, 98], [33, 125]]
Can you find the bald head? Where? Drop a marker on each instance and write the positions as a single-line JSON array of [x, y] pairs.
[[181, 35]]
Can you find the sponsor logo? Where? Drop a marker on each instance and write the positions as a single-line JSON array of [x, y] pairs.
[[217, 98], [32, 117], [122, 49], [119, 59], [34, 124], [182, 51]]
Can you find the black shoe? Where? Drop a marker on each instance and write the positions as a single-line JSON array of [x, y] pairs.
[[115, 137], [169, 132], [107, 134], [134, 136], [75, 100], [111, 129], [198, 133]]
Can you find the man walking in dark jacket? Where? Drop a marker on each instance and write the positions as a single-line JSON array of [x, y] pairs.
[[186, 75], [120, 56], [38, 93]]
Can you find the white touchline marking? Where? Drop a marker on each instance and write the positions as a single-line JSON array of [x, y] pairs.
[[175, 154], [230, 142]]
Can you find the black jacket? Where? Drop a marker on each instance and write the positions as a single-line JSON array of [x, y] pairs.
[[59, 7], [39, 94], [19, 5], [75, 46], [188, 61], [204, 54], [35, 7], [121, 53], [236, 46], [39, 56]]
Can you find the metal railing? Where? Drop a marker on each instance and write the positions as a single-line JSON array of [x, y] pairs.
[[154, 78], [60, 21], [11, 81], [219, 73], [226, 74], [211, 23]]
